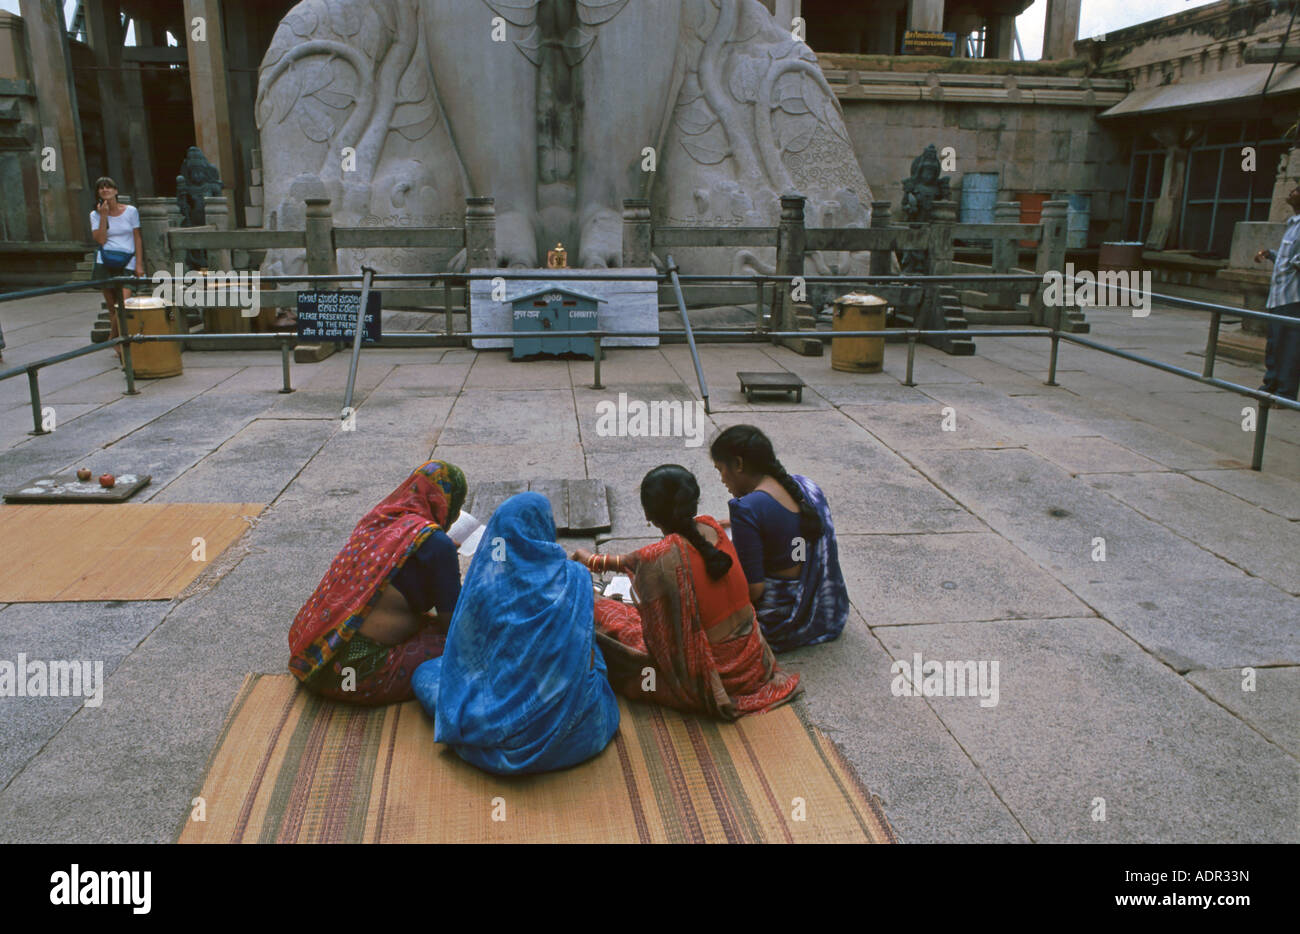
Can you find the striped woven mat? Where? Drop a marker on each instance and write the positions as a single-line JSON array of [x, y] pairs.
[[132, 551], [290, 767]]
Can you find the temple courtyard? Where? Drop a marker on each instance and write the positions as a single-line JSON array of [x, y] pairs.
[[1124, 708]]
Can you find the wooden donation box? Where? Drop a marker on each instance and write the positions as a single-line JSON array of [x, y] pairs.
[[543, 316]]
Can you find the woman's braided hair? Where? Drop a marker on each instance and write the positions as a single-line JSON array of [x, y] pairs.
[[670, 496], [754, 450]]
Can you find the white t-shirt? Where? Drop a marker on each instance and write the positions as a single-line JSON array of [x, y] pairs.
[[121, 233]]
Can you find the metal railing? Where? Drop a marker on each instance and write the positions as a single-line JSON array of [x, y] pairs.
[[672, 276]]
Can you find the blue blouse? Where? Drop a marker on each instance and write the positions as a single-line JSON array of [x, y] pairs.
[[431, 576], [763, 532]]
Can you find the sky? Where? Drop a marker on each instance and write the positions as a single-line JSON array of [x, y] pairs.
[[1096, 16]]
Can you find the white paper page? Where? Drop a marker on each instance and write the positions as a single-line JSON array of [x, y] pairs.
[[621, 586], [471, 543], [462, 528]]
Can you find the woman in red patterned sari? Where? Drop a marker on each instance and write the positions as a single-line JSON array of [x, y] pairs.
[[693, 627], [383, 607]]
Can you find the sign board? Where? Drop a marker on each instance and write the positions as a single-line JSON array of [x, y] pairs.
[[332, 316], [917, 42]]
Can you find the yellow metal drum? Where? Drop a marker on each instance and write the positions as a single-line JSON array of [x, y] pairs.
[[156, 359], [858, 312]]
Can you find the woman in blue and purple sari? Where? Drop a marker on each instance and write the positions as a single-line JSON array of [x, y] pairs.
[[781, 527]]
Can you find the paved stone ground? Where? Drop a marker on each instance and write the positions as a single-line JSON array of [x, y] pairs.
[[1119, 680]]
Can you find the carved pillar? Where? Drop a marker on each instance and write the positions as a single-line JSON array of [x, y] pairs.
[[881, 216], [153, 232], [1005, 254], [218, 217], [64, 198], [1167, 211], [1001, 38], [480, 233], [637, 233], [1051, 258], [790, 241], [321, 259]]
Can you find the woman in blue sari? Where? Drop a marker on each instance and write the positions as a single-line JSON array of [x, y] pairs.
[[781, 527], [520, 686]]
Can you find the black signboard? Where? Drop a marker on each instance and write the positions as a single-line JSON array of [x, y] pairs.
[[332, 316]]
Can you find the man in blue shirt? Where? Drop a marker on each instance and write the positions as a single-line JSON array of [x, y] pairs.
[[1282, 353]]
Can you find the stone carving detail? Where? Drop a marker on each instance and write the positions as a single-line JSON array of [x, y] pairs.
[[404, 108], [924, 187], [199, 179]]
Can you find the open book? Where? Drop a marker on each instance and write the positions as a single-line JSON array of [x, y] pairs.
[[620, 588], [466, 532]]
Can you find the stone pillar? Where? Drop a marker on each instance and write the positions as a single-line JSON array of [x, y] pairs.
[[1001, 37], [153, 232], [1060, 29], [1051, 258], [1286, 178], [925, 15], [64, 198], [321, 259], [881, 216], [104, 31], [209, 89], [137, 115], [480, 233], [638, 235], [217, 211], [1005, 253], [791, 245]]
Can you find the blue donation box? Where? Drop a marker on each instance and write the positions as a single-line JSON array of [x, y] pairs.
[[542, 316]]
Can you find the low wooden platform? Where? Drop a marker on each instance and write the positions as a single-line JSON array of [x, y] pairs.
[[780, 382], [580, 506]]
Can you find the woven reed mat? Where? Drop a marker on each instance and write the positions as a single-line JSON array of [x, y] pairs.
[[132, 551], [290, 767]]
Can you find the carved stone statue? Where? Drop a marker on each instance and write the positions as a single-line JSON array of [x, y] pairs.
[[920, 191], [199, 179], [397, 110]]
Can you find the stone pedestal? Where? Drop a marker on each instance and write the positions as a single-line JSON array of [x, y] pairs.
[[627, 306]]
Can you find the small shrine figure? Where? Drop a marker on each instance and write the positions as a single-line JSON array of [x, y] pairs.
[[557, 258], [920, 191], [199, 180]]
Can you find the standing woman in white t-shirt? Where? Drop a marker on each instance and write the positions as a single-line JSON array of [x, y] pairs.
[[116, 228]]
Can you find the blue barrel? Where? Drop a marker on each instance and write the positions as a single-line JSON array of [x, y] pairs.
[[1077, 218], [979, 192]]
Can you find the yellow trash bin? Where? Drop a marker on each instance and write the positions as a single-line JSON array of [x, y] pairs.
[[859, 312], [156, 359]]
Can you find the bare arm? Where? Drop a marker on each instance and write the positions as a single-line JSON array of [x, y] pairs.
[[100, 233], [756, 592], [139, 253]]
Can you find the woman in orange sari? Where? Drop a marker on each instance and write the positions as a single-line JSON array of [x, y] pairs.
[[692, 642]]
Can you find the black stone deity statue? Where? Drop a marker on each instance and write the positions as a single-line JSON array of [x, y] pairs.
[[920, 191]]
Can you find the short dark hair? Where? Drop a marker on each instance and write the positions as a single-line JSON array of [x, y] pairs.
[[105, 182]]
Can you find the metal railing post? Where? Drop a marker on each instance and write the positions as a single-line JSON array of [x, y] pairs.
[[34, 387], [1051, 363], [758, 308], [1211, 344], [368, 276], [127, 365], [446, 307], [911, 359], [1261, 431], [690, 335], [596, 357], [284, 365]]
